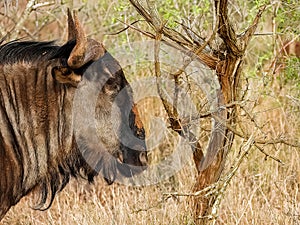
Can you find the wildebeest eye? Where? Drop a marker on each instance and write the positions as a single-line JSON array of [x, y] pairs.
[[111, 86], [110, 81]]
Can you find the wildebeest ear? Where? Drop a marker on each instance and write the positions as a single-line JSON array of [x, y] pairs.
[[65, 75], [85, 50]]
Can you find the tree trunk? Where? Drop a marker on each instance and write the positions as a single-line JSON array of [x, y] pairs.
[[202, 205], [228, 71], [228, 67]]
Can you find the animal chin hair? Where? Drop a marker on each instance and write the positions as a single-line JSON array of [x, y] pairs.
[[104, 164], [109, 171], [100, 162], [57, 178]]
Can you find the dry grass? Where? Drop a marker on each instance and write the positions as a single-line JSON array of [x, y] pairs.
[[262, 192], [80, 203]]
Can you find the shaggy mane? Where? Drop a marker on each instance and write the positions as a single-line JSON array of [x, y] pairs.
[[33, 51]]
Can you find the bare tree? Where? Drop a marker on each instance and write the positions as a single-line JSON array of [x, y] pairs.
[[227, 61]]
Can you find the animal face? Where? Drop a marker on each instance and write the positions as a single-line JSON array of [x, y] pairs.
[[107, 97], [64, 111], [94, 72]]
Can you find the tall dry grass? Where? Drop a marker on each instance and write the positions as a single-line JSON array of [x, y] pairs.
[[262, 192]]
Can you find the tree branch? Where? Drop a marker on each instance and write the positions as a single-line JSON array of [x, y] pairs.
[[226, 30], [174, 36], [245, 38]]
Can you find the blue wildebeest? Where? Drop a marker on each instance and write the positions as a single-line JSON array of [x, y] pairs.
[[40, 146]]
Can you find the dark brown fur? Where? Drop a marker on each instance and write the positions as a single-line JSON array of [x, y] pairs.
[[38, 147]]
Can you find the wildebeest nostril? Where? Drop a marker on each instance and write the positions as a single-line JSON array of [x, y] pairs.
[[143, 158]]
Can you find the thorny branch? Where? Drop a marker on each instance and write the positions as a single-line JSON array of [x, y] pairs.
[[257, 142], [179, 40], [198, 49], [124, 29], [218, 189], [210, 186], [30, 6]]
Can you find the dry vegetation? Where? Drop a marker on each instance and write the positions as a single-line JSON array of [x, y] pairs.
[[262, 191]]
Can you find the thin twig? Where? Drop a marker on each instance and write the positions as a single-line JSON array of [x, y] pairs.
[[194, 194], [252, 28], [196, 51], [157, 204], [268, 34], [30, 6], [42, 4], [268, 155], [147, 34], [174, 36], [272, 65], [257, 142], [260, 141], [24, 16], [226, 180], [124, 29]]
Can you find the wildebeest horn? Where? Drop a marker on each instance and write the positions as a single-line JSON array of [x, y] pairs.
[[85, 49], [71, 26]]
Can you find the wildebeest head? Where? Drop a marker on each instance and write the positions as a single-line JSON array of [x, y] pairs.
[[105, 117], [64, 111]]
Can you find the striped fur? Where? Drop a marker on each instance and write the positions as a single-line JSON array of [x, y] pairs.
[[38, 148]]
